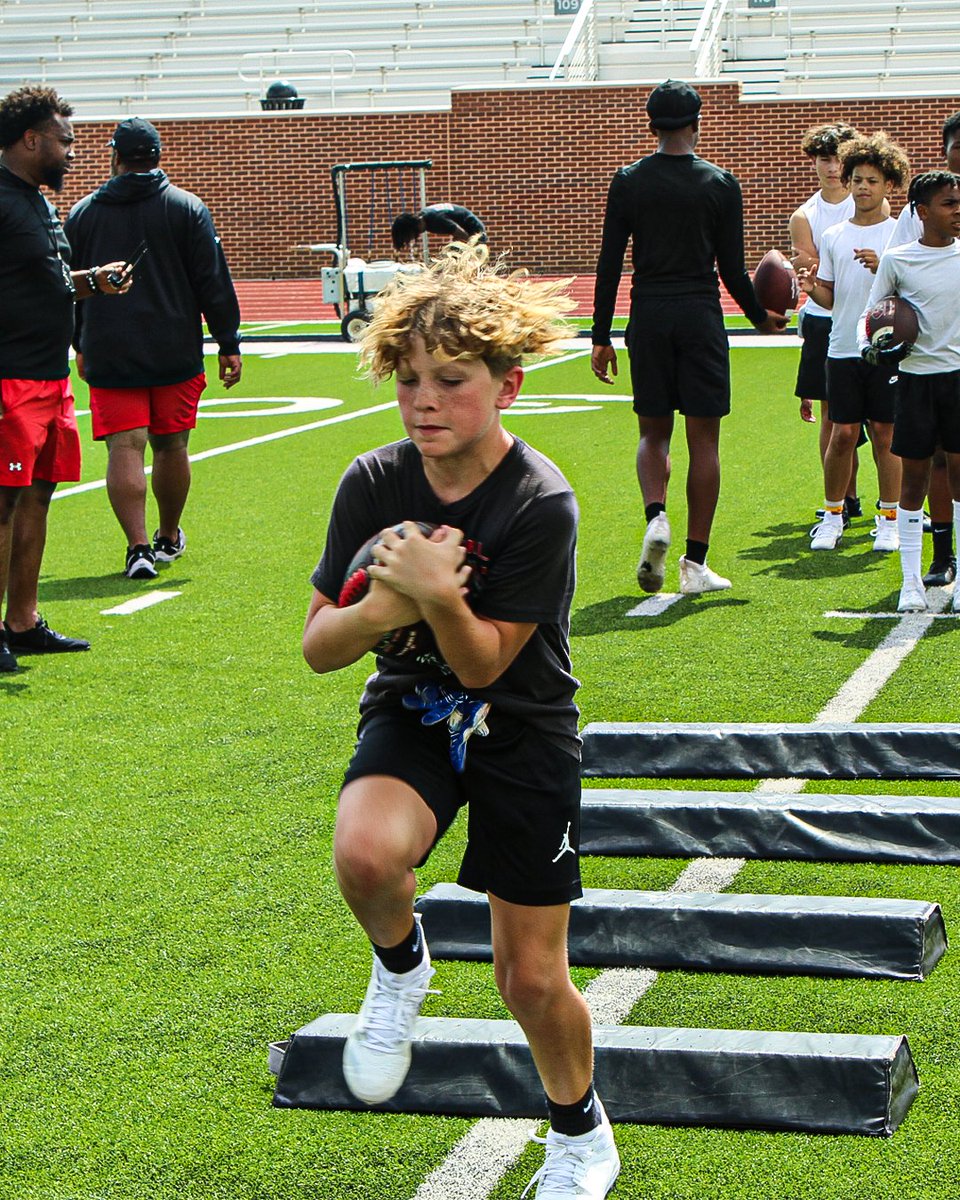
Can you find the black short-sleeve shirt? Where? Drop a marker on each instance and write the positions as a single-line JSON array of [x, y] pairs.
[[520, 528]]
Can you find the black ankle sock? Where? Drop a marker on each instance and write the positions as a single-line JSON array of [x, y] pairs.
[[942, 540], [573, 1119], [697, 551], [653, 510], [403, 957]]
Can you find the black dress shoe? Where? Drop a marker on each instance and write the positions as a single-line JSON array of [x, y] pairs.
[[942, 571], [41, 639], [8, 662]]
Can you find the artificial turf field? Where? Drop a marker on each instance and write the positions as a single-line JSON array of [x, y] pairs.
[[168, 801]]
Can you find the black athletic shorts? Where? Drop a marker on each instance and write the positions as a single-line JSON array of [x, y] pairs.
[[928, 414], [679, 358], [857, 392], [522, 795], [811, 373]]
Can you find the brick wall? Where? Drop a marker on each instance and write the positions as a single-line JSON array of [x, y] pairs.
[[533, 163]]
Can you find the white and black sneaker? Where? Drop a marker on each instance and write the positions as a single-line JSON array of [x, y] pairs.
[[656, 543], [139, 565], [165, 550], [376, 1054], [577, 1168]]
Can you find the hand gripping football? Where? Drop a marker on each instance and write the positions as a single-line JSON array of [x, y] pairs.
[[894, 316], [398, 643], [775, 283]]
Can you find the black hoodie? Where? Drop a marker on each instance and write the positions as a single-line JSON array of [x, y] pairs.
[[152, 335]]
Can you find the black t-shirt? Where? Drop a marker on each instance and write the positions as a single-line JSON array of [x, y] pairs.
[[685, 218], [36, 306], [520, 528]]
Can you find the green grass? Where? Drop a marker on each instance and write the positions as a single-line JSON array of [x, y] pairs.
[[167, 806]]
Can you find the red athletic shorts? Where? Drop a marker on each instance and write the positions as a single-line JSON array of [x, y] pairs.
[[168, 409], [38, 432]]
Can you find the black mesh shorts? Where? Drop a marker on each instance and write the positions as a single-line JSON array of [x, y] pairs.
[[522, 795], [857, 392], [812, 373], [928, 414], [679, 357]]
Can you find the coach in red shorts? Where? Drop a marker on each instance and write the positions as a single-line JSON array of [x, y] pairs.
[[39, 444], [146, 371]]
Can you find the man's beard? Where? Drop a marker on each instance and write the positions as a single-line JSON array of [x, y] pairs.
[[53, 178]]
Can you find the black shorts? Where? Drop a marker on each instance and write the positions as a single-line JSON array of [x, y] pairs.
[[679, 357], [928, 414], [857, 392], [522, 795], [811, 373]]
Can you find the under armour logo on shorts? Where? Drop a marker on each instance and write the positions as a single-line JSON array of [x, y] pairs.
[[16, 467]]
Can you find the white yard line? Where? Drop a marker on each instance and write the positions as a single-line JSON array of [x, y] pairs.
[[137, 603], [656, 605], [486, 1153], [276, 436]]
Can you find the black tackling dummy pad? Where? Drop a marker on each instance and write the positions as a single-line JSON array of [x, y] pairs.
[[628, 750], [819, 828], [815, 1083], [715, 931]]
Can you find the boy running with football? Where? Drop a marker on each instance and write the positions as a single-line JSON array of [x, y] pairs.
[[926, 273], [856, 391], [480, 714]]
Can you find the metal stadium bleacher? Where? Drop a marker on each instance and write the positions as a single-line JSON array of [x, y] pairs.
[[194, 57], [800, 47]]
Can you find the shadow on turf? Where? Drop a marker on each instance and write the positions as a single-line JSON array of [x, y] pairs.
[[100, 587], [611, 614], [787, 549]]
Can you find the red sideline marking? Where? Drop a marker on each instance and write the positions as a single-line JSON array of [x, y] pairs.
[[302, 299]]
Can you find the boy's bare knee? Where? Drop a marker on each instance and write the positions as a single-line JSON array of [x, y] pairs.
[[527, 990]]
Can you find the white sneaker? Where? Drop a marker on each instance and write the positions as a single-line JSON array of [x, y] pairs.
[[886, 536], [376, 1055], [955, 602], [656, 543], [827, 535], [912, 597], [577, 1168], [696, 579]]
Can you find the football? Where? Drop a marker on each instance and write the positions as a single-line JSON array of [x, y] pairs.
[[398, 643], [893, 315], [775, 283]]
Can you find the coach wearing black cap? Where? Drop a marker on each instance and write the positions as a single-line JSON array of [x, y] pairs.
[[684, 217], [145, 370]]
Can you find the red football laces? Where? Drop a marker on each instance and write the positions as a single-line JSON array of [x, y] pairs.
[[354, 588]]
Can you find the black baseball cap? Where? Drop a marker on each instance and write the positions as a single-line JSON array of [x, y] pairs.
[[673, 105], [136, 138]]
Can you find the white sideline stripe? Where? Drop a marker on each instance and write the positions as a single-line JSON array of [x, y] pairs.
[[276, 436], [655, 605], [890, 616], [137, 603], [483, 1156]]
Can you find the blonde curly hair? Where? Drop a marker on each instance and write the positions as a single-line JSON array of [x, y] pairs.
[[465, 308]]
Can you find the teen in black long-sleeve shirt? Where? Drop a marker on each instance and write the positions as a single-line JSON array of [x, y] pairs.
[[684, 217]]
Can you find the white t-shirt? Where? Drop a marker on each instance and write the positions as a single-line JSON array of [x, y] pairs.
[[909, 228], [929, 277], [850, 278], [820, 216]]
